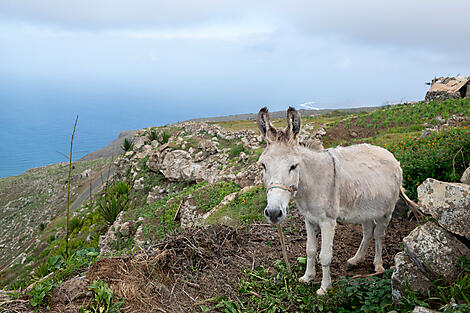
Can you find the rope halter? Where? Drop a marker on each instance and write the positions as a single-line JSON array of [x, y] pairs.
[[292, 189]]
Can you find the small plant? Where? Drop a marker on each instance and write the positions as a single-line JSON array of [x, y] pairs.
[[152, 134], [165, 137], [115, 200], [103, 300], [52, 264], [40, 294], [75, 225], [236, 150], [127, 145]]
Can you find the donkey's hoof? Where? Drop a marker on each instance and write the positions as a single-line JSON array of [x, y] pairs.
[[351, 263], [306, 278], [321, 292], [379, 268]]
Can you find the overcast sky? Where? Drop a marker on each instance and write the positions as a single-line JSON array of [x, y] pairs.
[[203, 58]]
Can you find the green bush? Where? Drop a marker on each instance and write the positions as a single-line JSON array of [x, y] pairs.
[[115, 200], [443, 155]]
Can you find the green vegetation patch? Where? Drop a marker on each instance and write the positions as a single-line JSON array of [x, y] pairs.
[[280, 291], [245, 208], [210, 196], [443, 155]]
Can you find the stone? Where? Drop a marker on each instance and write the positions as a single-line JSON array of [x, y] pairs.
[[139, 142], [466, 177], [407, 275], [139, 184], [448, 203], [125, 229], [249, 176], [225, 220], [353, 134], [177, 165], [435, 251], [422, 309], [71, 290]]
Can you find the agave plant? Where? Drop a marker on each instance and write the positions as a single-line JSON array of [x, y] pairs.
[[127, 145], [115, 200]]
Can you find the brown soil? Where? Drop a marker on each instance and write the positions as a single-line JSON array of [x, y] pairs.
[[182, 272]]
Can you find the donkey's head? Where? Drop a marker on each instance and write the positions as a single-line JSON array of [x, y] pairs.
[[280, 161]]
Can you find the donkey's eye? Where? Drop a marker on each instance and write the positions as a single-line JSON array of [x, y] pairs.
[[293, 167]]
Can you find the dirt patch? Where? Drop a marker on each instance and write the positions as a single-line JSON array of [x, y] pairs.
[[186, 270]]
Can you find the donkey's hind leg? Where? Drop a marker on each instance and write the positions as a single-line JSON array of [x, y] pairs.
[[379, 232], [367, 229]]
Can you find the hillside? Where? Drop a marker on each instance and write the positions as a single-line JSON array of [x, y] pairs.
[[182, 218]]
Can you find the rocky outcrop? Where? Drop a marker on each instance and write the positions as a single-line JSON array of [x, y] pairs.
[[432, 251], [466, 177], [448, 203]]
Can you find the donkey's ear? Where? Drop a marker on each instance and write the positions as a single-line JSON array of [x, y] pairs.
[[293, 123], [264, 124]]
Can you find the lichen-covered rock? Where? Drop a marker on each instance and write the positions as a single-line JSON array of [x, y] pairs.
[[465, 179], [407, 275], [448, 203], [435, 251]]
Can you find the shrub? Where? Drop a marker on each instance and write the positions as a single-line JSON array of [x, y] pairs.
[[236, 150], [115, 200], [443, 156], [42, 226], [75, 224], [127, 145]]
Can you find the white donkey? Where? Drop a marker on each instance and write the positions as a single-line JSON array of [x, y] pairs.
[[359, 184]]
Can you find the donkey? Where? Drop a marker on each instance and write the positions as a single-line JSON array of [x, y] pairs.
[[359, 184]]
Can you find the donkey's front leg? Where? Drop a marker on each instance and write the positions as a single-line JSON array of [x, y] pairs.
[[311, 248], [327, 235]]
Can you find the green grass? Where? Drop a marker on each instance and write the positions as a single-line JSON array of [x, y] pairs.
[[245, 208], [210, 196]]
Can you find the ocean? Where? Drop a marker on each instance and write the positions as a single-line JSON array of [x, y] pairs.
[[38, 135]]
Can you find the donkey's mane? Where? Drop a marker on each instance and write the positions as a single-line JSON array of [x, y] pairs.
[[281, 135]]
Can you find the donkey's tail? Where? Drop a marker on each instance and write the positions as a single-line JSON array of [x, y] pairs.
[[413, 205]]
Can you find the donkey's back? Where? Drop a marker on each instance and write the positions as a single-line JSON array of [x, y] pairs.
[[369, 180]]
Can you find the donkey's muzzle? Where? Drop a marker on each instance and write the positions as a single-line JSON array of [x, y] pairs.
[[273, 215]]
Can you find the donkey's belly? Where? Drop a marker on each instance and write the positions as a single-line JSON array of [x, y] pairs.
[[361, 214]]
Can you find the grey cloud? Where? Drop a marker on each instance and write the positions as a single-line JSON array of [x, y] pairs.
[[433, 23]]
